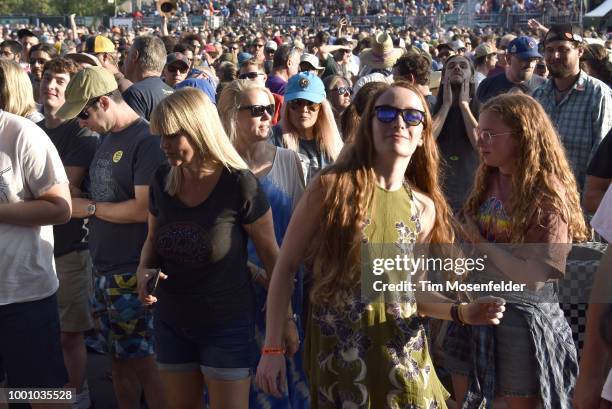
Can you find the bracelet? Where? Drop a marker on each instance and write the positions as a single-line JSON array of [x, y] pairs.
[[454, 312], [459, 314], [272, 351]]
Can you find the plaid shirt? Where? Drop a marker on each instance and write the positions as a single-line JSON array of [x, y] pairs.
[[582, 118]]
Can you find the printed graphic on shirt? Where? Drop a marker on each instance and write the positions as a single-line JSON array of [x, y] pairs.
[[493, 221], [117, 156], [102, 181], [184, 242]]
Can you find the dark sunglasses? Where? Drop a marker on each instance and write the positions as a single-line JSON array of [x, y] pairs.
[[175, 68], [84, 115], [258, 110], [301, 103], [343, 90], [249, 75], [38, 61], [387, 114]]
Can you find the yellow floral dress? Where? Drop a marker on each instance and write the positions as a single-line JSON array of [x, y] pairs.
[[374, 355]]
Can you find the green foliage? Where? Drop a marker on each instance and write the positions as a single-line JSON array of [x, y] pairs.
[[56, 7]]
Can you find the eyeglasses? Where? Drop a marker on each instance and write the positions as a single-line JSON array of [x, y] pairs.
[[301, 103], [175, 68], [84, 115], [343, 90], [487, 137], [250, 75], [259, 45], [387, 114], [259, 110]]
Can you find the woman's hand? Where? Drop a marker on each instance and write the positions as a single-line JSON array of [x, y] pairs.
[[270, 376], [487, 310], [291, 338], [143, 275]]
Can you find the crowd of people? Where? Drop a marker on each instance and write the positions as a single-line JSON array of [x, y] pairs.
[[211, 203]]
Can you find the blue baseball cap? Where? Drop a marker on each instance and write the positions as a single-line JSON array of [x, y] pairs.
[[242, 57], [201, 84], [305, 85], [524, 47]]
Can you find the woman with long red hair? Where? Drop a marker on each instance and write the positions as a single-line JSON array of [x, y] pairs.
[[384, 190]]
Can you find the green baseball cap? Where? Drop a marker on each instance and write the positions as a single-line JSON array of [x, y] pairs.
[[89, 83]]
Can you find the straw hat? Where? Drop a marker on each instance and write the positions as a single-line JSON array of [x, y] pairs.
[[382, 54]]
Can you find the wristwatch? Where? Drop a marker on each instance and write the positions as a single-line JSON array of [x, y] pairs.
[[91, 209]]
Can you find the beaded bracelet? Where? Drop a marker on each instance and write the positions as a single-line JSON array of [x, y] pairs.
[[272, 351]]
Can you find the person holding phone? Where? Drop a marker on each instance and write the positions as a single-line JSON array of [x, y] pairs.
[[204, 206]]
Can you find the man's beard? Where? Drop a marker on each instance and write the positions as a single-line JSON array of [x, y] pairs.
[[559, 71]]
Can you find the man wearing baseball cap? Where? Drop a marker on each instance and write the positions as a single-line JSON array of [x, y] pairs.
[[117, 211], [579, 105], [485, 59], [521, 56], [103, 49], [176, 69]]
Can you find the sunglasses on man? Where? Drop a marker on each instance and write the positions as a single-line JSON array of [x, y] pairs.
[[250, 75], [84, 115]]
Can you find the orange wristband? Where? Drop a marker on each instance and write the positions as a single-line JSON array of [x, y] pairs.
[[272, 351]]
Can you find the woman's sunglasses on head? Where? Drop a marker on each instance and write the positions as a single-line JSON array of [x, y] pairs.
[[387, 114]]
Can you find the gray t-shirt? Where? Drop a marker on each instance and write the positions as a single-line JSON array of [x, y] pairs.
[[29, 167]]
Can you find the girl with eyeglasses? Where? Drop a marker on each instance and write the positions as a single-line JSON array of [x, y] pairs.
[[338, 94], [364, 352], [205, 205], [523, 213], [307, 124], [246, 110]]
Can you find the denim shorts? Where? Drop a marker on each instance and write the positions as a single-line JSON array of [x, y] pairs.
[[124, 322], [516, 365], [226, 351], [30, 348]]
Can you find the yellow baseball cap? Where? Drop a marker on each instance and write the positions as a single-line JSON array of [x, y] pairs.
[[88, 83], [99, 44]]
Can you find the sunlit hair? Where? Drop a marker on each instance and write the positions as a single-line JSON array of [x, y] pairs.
[[16, 93], [325, 131], [351, 117], [189, 111], [349, 187], [229, 102], [543, 181]]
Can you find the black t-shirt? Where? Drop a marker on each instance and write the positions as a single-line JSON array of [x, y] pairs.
[[601, 164], [203, 250], [498, 84], [125, 159], [76, 147], [144, 96], [460, 159]]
